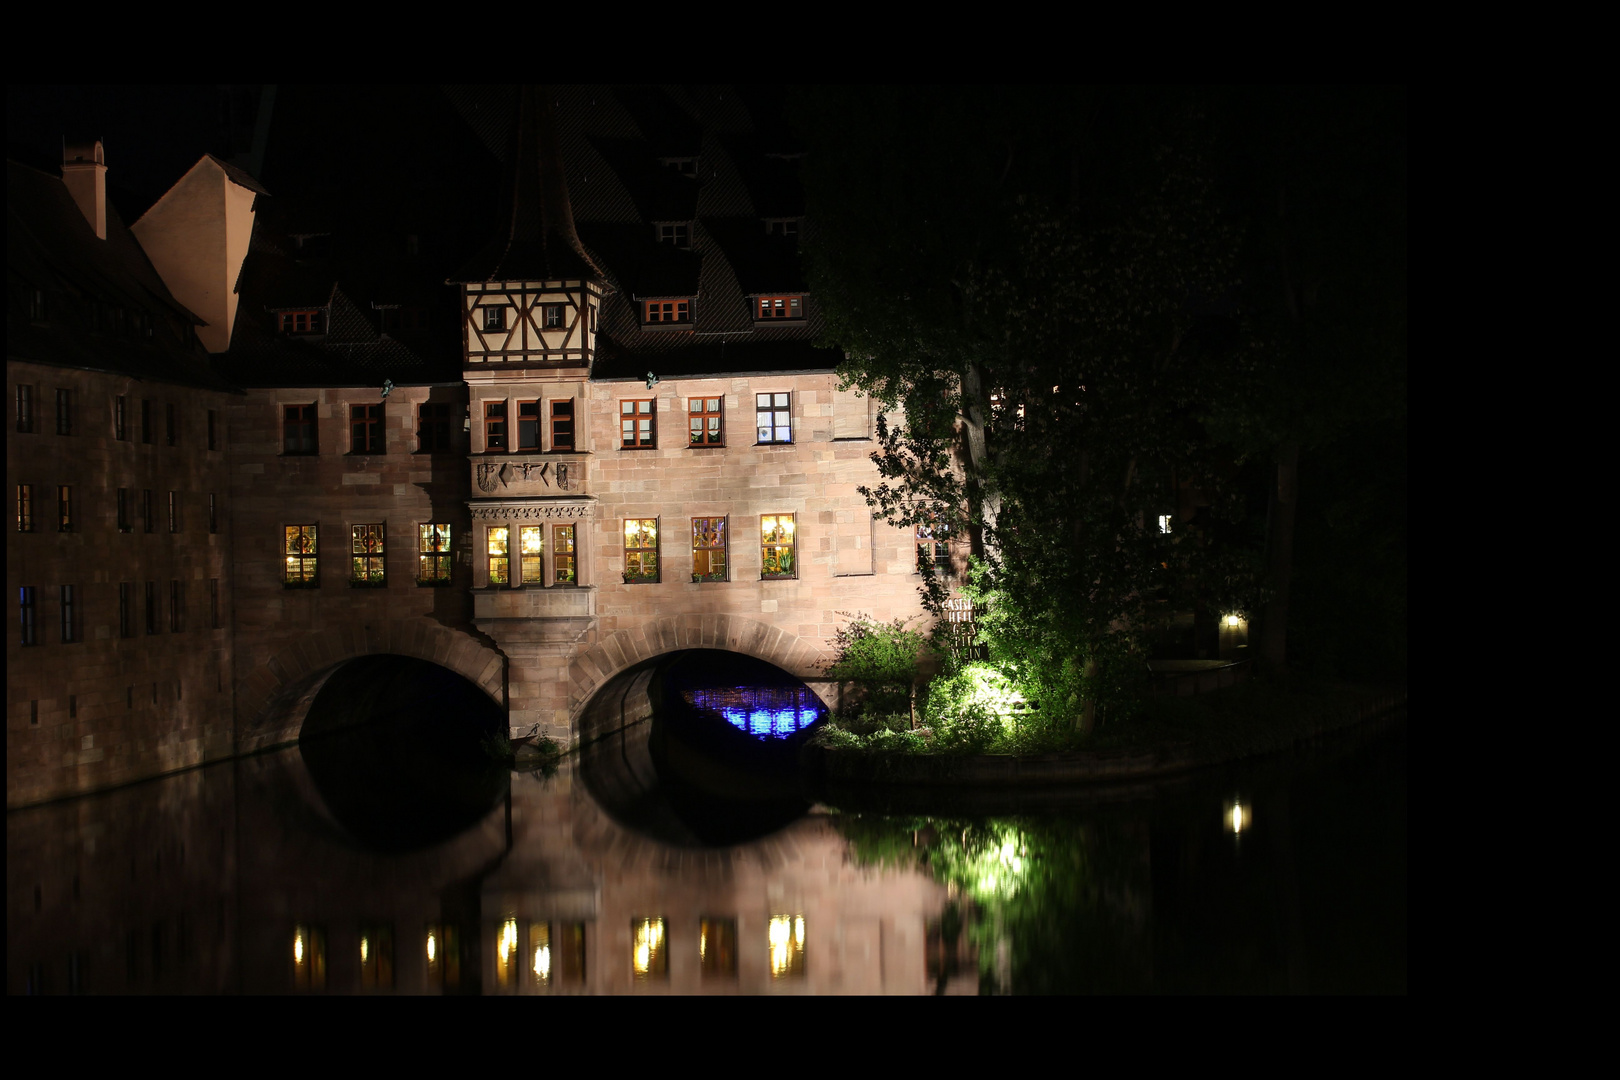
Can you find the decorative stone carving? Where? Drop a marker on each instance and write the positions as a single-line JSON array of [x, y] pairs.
[[489, 474], [519, 511]]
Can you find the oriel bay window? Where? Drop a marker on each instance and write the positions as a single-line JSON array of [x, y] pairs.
[[562, 424], [434, 556], [301, 555], [366, 429], [499, 560], [563, 570], [529, 544], [528, 425], [495, 425], [773, 418], [636, 424], [297, 429], [640, 550], [709, 549], [705, 421], [778, 554], [367, 558]]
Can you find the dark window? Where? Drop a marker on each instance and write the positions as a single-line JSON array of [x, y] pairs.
[[25, 600], [395, 319], [433, 432], [366, 429], [146, 421], [302, 554], [717, 947], [64, 412], [25, 507], [151, 607], [64, 508], [213, 603], [636, 423], [676, 233], [36, 305], [553, 316], [778, 546], [213, 430], [704, 416], [562, 424], [528, 425], [772, 418], [147, 522], [298, 429], [213, 514], [126, 609], [494, 317], [495, 425], [563, 568], [70, 615], [174, 511], [25, 409], [368, 555], [782, 227], [667, 311], [177, 607], [640, 549], [171, 425], [778, 307], [120, 417], [300, 322], [434, 555], [124, 525], [709, 549]]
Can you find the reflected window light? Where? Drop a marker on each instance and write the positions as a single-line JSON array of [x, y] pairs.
[[569, 953], [377, 957], [649, 954], [717, 948], [787, 946], [442, 947], [1237, 817], [540, 952], [309, 957], [506, 955]]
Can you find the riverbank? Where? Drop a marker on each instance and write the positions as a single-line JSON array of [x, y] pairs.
[[1171, 735]]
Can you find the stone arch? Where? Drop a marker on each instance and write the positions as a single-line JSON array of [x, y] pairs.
[[271, 700], [800, 657]]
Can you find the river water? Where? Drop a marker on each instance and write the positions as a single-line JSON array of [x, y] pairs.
[[410, 865]]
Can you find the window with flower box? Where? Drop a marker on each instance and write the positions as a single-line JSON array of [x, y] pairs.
[[706, 421], [302, 556], [367, 568], [640, 550], [637, 423], [434, 556], [778, 546], [709, 549]]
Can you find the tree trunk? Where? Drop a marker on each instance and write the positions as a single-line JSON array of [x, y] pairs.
[[1087, 720], [977, 452], [1284, 503]]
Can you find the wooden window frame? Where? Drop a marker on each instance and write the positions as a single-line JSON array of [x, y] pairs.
[[502, 579], [553, 316], [296, 422], [368, 555], [564, 555], [494, 318], [765, 405], [636, 528], [677, 234], [783, 227], [64, 507], [674, 311], [368, 432], [788, 307], [698, 413], [771, 543], [651, 415], [496, 417], [559, 420], [531, 563], [703, 553], [534, 421], [25, 508], [435, 554], [301, 556], [67, 615], [933, 553], [28, 614], [431, 437], [308, 321]]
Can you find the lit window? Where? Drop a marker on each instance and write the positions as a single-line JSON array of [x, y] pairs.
[[539, 953], [529, 543], [367, 565], [636, 423], [675, 233], [499, 560], [64, 508], [309, 957], [297, 428], [495, 425], [777, 551], [705, 417], [649, 957], [507, 962], [301, 551], [25, 507], [494, 317], [1164, 524], [433, 430], [640, 550], [562, 555], [299, 322], [779, 307], [771, 417], [709, 549], [434, 556], [562, 424], [787, 946], [667, 311], [528, 425], [366, 429], [717, 947], [553, 316], [933, 553], [29, 627]]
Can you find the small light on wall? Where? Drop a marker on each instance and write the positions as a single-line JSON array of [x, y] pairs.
[[1233, 620], [1237, 818]]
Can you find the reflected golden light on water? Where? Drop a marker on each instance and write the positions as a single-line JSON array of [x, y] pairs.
[[787, 946], [506, 954], [298, 948], [365, 949], [432, 947], [648, 956]]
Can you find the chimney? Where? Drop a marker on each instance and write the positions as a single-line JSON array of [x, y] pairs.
[[84, 171]]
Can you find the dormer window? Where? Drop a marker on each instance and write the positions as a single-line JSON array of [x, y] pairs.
[[675, 233], [300, 322], [686, 166], [782, 227], [770, 308], [666, 312]]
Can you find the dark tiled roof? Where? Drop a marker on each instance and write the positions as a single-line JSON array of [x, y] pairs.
[[88, 281]]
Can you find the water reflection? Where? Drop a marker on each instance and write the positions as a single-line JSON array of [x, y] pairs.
[[241, 878], [765, 712]]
